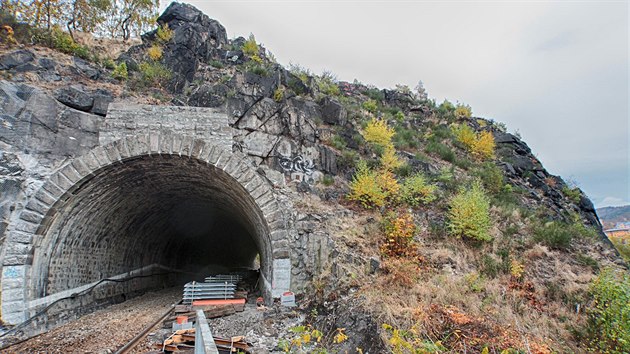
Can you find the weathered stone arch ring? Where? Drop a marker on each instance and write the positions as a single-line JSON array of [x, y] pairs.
[[109, 213]]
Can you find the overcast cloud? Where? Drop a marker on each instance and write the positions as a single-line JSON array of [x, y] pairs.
[[557, 72]]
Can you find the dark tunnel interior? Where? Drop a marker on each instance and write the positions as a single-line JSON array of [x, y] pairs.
[[177, 212]]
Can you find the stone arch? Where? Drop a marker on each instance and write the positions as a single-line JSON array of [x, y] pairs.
[[28, 253]]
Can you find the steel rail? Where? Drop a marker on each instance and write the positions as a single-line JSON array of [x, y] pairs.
[[135, 340]]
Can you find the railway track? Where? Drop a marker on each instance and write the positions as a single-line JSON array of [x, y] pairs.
[[127, 348], [107, 329]]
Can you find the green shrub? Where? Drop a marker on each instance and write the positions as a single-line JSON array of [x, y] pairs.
[[250, 47], [108, 63], [587, 261], [573, 194], [415, 190], [327, 86], [256, 68], [554, 234], [492, 267], [446, 177], [63, 42], [153, 74], [328, 180], [337, 142], [405, 138], [469, 213], [624, 249], [120, 72], [347, 160], [463, 163], [440, 133], [559, 234], [216, 64], [370, 106], [300, 72], [443, 151], [462, 111], [491, 176], [609, 315], [404, 170], [374, 94], [446, 109]]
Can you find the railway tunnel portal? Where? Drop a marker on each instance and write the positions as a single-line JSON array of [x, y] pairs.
[[141, 204]]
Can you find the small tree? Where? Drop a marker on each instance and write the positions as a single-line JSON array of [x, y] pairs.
[[416, 190], [377, 132], [465, 135], [463, 111], [364, 187], [250, 47], [609, 315], [399, 229], [480, 145], [389, 160], [469, 213], [484, 146], [373, 188]]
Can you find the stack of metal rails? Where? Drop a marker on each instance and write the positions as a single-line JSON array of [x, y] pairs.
[[214, 287]]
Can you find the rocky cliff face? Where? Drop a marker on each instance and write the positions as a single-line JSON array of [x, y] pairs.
[[303, 133]]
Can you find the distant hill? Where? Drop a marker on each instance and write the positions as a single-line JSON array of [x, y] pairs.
[[609, 216]]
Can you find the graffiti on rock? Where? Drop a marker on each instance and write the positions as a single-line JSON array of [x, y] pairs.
[[297, 164]]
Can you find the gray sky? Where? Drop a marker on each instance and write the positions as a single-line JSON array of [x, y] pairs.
[[557, 72]]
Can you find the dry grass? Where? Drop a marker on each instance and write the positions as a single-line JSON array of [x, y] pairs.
[[447, 299]]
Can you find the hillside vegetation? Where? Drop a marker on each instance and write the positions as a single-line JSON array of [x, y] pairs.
[[450, 235]]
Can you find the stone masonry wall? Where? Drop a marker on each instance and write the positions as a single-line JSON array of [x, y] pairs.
[[125, 119]]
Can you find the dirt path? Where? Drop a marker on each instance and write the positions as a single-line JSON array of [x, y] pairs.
[[103, 331]]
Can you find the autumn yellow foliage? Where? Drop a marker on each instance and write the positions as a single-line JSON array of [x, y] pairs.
[[377, 132], [463, 111], [155, 52], [373, 188], [465, 135], [389, 160], [469, 213], [480, 145], [400, 229], [484, 146]]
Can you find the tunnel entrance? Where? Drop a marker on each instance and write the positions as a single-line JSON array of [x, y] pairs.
[[132, 208], [176, 212]]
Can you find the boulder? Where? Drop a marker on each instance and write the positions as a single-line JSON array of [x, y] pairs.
[[15, 59], [102, 99], [75, 97], [127, 58], [85, 68], [400, 99], [47, 63], [333, 112], [195, 39]]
